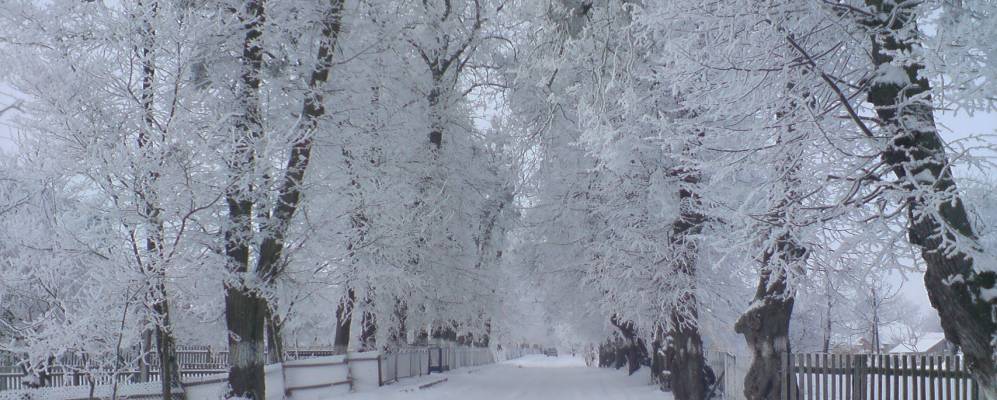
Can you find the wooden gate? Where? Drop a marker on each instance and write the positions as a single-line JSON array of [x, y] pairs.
[[876, 377]]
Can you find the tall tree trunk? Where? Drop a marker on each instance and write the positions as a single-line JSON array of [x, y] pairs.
[[270, 261], [154, 266], [937, 217], [686, 359], [247, 312], [765, 325], [245, 309]]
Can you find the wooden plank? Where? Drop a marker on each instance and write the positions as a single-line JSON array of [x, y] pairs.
[[834, 378], [896, 372], [924, 373], [842, 379], [958, 380], [931, 377], [784, 382], [809, 377], [965, 379], [823, 376], [866, 389], [905, 387], [878, 390], [887, 373], [860, 380], [947, 380], [849, 385], [884, 374], [793, 388]]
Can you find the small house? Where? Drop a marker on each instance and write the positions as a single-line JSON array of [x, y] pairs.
[[929, 343]]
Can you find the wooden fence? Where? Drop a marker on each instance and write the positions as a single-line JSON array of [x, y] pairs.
[[876, 377], [730, 378]]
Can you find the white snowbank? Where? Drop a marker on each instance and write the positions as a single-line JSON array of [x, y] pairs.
[[534, 377], [542, 361]]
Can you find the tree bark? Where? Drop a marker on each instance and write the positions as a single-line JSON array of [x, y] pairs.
[[917, 156], [143, 362], [658, 361], [166, 346], [765, 325], [344, 312], [154, 267], [245, 309], [247, 312], [633, 347], [686, 359], [368, 331], [275, 339]]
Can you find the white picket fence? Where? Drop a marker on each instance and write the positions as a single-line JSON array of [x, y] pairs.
[[404, 363], [307, 379]]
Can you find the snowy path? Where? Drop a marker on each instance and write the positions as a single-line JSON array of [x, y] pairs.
[[529, 378]]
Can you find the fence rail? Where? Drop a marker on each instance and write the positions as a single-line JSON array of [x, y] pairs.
[[876, 377]]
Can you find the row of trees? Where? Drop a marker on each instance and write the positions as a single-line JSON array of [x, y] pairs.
[[261, 173], [689, 147], [231, 171]]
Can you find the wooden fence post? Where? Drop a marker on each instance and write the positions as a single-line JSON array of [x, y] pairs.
[[858, 371], [380, 378]]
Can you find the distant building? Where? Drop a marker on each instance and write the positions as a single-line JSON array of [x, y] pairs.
[[931, 343]]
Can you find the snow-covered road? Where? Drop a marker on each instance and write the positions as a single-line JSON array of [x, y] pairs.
[[533, 377]]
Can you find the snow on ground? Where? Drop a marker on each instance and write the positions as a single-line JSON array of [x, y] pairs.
[[534, 377]]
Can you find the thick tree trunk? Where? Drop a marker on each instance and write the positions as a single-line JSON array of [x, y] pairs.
[[344, 313], [937, 216], [633, 349], [368, 332], [245, 310], [166, 346], [686, 359], [658, 361], [765, 326]]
